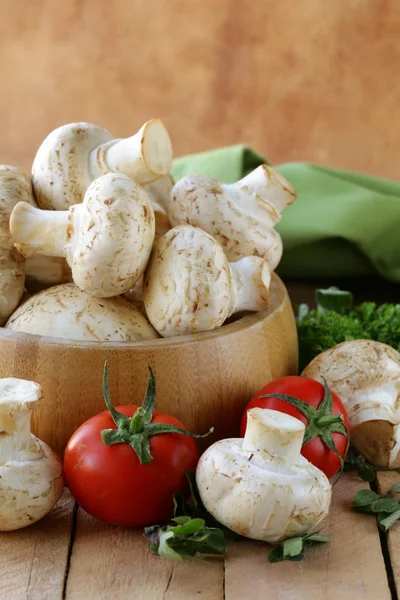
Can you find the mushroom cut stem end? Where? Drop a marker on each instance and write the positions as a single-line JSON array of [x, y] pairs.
[[274, 433], [144, 157]]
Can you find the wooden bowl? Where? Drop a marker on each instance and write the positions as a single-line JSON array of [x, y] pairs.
[[204, 380]]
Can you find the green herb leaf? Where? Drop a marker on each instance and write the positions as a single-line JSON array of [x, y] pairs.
[[185, 540], [386, 521], [333, 299], [385, 505], [364, 498], [294, 548]]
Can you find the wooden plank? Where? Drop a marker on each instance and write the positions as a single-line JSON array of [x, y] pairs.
[[351, 566], [385, 481], [114, 561], [34, 560]]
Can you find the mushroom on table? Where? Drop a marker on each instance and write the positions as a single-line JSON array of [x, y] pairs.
[[31, 475], [366, 376], [106, 240], [261, 486]]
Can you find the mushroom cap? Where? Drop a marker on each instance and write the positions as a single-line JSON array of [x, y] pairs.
[[111, 244], [188, 283], [366, 376], [243, 223], [65, 312], [60, 170]]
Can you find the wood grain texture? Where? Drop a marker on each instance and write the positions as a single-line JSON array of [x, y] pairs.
[[204, 380], [385, 481], [34, 560], [350, 566], [110, 560], [316, 82]]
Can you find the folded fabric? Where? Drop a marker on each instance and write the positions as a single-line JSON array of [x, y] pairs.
[[342, 224]]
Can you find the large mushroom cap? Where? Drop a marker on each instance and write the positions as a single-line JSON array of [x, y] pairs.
[[187, 286], [65, 312], [110, 248], [366, 376]]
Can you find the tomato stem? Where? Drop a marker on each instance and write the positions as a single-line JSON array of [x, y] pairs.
[[138, 429]]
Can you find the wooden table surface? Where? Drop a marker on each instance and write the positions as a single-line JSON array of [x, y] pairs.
[[69, 555]]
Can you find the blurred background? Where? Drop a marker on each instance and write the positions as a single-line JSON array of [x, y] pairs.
[[314, 80]]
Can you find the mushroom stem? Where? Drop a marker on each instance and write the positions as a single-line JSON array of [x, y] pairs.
[[251, 278], [272, 433], [38, 231], [268, 184], [144, 157], [16, 399]]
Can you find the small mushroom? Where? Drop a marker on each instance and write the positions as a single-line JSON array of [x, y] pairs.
[[240, 216], [260, 486], [31, 475], [366, 376], [65, 312], [106, 240], [190, 286], [73, 155], [14, 187]]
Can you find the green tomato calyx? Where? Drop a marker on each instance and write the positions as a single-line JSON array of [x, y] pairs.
[[138, 429]]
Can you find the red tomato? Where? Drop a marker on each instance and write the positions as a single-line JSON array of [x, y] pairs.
[[312, 392], [110, 483]]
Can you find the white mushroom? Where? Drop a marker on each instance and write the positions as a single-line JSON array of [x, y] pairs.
[[14, 187], [241, 216], [190, 286], [261, 487], [71, 314], [366, 377], [65, 312], [159, 192], [106, 240], [73, 155], [31, 479]]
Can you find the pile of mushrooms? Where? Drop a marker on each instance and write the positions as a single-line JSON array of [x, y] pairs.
[[110, 248]]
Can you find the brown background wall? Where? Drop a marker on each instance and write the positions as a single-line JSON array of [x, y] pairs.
[[314, 80]]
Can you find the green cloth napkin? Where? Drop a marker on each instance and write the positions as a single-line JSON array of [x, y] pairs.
[[342, 224]]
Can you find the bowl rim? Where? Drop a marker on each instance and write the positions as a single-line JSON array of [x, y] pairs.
[[278, 293]]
